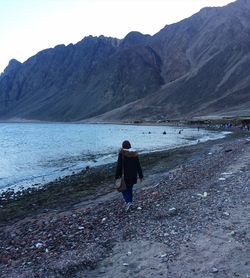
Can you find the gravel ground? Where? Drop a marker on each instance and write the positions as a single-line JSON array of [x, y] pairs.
[[191, 222]]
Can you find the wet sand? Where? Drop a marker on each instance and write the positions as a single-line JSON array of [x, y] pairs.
[[190, 218]]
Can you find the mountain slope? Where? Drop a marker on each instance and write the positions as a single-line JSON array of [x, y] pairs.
[[78, 81], [199, 66], [206, 67]]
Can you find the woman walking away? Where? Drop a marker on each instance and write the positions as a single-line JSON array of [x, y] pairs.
[[128, 164]]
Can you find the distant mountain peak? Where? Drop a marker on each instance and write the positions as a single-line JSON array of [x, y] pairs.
[[134, 38], [12, 66], [95, 39]]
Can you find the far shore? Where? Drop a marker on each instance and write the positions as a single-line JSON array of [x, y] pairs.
[[202, 121]]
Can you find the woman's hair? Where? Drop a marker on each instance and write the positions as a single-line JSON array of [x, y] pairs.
[[126, 144]]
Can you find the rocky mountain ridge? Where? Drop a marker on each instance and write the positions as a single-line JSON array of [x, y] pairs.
[[196, 67]]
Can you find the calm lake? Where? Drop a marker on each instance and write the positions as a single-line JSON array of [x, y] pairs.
[[35, 153]]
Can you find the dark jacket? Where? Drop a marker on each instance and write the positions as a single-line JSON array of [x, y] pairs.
[[132, 166]]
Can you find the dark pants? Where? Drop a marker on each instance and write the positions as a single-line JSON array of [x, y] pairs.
[[128, 194]]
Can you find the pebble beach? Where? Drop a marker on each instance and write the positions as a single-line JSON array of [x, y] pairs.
[[187, 220]]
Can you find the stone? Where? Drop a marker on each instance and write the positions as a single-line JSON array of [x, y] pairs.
[[204, 195], [172, 210], [103, 219], [215, 270], [39, 245]]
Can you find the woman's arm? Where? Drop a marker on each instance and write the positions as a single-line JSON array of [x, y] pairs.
[[118, 173], [139, 170]]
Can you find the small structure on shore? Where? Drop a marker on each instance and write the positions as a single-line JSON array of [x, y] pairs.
[[245, 123]]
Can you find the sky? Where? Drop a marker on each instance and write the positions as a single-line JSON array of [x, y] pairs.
[[28, 26]]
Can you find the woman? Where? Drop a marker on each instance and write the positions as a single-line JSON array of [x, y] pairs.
[[129, 164]]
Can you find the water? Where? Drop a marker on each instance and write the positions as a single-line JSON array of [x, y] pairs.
[[33, 153]]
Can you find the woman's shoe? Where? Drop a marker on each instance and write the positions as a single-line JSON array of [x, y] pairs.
[[128, 206]]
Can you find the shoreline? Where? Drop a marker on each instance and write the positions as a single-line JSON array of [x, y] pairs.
[[47, 176], [83, 185], [190, 216]]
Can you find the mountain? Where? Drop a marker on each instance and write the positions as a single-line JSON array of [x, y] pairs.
[[199, 66]]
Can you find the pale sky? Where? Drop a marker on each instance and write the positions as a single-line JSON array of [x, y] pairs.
[[28, 26]]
